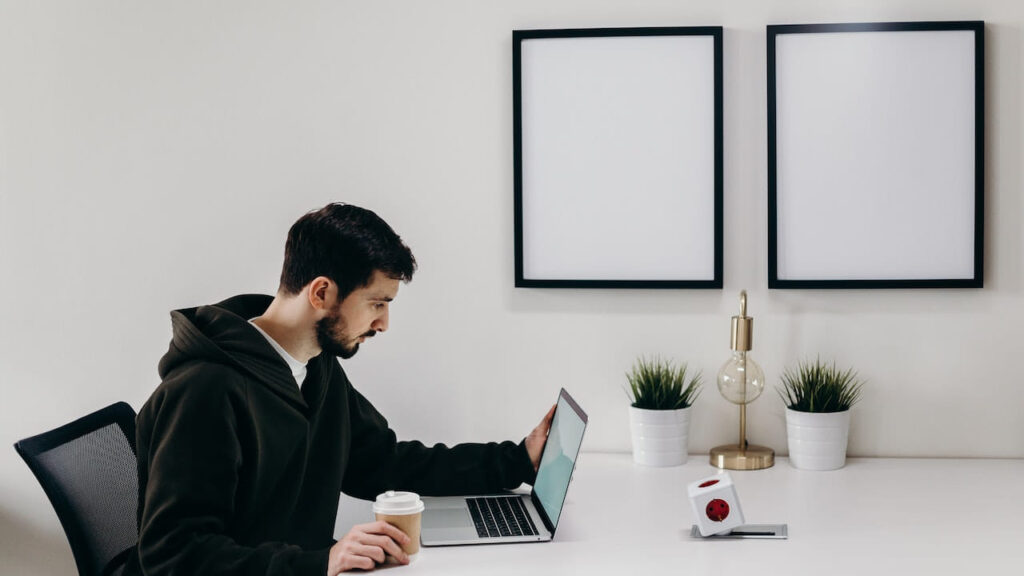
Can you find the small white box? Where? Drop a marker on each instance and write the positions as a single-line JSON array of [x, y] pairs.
[[716, 507]]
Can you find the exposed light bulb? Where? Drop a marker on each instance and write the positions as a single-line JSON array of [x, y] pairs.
[[740, 380]]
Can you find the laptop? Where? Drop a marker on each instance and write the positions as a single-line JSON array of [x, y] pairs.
[[508, 517]]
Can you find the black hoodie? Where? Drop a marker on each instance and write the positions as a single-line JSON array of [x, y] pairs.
[[240, 470]]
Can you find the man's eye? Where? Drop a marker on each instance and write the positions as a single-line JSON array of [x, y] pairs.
[[379, 306]]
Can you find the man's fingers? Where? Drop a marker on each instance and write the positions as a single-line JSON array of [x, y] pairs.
[[361, 562], [387, 544], [366, 546], [382, 527], [383, 537], [538, 437], [545, 424], [374, 553], [393, 532]]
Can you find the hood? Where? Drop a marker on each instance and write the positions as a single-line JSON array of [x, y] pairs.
[[221, 333]]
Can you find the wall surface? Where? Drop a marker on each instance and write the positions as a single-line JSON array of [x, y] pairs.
[[153, 156]]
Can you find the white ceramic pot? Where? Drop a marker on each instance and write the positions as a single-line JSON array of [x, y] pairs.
[[817, 441], [659, 436]]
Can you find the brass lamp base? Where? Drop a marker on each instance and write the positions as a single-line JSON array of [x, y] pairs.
[[736, 457]]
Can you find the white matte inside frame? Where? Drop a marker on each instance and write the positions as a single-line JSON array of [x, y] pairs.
[[875, 141], [618, 158]]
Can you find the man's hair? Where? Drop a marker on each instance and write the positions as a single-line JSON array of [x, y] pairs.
[[345, 243]]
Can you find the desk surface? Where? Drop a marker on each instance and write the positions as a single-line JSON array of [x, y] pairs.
[[875, 516]]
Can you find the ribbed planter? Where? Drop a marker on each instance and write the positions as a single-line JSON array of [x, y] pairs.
[[659, 436], [817, 441]]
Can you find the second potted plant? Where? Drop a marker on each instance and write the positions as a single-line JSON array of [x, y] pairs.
[[660, 396], [818, 398]]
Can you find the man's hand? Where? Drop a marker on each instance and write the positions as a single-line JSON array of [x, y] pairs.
[[535, 441], [365, 546]]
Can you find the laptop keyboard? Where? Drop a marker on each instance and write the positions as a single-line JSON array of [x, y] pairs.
[[500, 516]]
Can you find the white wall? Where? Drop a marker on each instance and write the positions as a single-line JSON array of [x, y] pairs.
[[153, 155]]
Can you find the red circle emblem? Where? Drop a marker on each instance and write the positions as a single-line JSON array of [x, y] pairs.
[[717, 510], [708, 483]]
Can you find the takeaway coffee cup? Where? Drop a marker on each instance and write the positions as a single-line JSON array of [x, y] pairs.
[[403, 510]]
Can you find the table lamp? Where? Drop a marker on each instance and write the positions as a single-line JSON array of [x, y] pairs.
[[741, 381]]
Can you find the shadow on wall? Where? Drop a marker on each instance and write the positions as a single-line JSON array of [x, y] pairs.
[[27, 551]]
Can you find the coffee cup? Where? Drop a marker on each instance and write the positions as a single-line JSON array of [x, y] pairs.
[[403, 510]]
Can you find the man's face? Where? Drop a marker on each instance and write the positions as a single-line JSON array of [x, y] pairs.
[[359, 316]]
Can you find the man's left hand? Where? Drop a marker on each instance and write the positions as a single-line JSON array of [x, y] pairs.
[[535, 441]]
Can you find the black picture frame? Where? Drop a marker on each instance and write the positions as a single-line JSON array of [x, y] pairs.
[[548, 240], [921, 163]]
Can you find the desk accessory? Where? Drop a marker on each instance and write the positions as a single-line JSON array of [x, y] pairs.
[[748, 532], [818, 398], [741, 381], [660, 394], [716, 508]]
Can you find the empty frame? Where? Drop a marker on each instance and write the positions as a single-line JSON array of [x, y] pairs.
[[618, 157], [876, 155]]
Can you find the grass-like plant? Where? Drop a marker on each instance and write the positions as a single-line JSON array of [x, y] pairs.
[[820, 387], [658, 384]]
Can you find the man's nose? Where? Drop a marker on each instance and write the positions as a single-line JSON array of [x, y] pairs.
[[381, 323]]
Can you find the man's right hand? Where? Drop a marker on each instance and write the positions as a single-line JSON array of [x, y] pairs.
[[365, 546]]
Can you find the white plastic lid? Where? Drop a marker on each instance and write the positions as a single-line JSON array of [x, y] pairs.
[[398, 503]]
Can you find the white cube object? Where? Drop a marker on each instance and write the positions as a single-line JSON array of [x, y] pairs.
[[716, 507]]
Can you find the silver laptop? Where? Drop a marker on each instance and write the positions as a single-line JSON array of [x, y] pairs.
[[505, 518]]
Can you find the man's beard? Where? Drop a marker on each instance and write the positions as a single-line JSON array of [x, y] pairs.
[[330, 335]]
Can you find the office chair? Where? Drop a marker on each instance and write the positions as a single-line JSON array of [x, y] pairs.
[[87, 469]]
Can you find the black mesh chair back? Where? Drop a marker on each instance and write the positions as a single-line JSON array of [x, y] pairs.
[[88, 470]]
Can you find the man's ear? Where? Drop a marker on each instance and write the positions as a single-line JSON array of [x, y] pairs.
[[321, 292]]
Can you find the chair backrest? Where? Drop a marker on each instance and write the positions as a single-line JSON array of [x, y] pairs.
[[88, 470]]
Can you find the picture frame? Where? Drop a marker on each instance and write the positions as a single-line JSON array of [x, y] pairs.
[[618, 157], [876, 155]]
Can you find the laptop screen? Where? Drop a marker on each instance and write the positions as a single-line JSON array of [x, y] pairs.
[[559, 458]]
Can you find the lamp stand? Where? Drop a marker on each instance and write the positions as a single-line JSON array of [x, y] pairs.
[[742, 456]]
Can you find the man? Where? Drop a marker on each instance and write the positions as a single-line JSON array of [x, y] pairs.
[[255, 429]]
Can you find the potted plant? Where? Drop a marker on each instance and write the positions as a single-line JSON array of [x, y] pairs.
[[660, 395], [818, 398]]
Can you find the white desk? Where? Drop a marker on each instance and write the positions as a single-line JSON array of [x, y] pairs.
[[875, 516]]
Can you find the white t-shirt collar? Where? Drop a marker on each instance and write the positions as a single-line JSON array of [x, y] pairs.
[[297, 368]]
